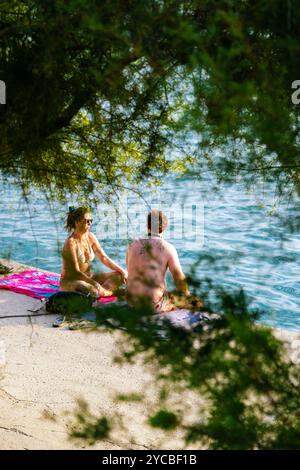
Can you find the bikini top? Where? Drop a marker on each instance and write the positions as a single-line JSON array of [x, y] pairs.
[[81, 256]]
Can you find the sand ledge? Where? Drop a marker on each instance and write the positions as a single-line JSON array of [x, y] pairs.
[[44, 370], [47, 369]]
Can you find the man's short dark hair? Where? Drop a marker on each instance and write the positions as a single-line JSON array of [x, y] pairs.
[[157, 222]]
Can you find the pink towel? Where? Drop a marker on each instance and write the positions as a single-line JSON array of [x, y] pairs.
[[37, 284]]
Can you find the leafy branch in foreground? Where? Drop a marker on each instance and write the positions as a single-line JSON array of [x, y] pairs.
[[111, 88], [88, 426], [249, 389]]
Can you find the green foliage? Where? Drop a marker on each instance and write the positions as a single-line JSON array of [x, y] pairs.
[[99, 93], [164, 419], [130, 397], [88, 426], [248, 385]]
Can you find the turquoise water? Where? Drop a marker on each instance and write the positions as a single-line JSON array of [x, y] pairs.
[[253, 249]]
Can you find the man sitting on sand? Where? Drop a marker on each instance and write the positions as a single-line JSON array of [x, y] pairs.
[[147, 262]]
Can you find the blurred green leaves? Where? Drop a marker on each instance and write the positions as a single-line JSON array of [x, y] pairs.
[[87, 426], [247, 384], [164, 419], [111, 92]]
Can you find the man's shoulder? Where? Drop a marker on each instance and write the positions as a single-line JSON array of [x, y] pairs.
[[169, 245], [149, 241], [162, 241], [132, 242]]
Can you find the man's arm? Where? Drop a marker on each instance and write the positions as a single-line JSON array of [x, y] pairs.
[[127, 258], [176, 271]]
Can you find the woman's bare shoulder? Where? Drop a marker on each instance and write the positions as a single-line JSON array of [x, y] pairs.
[[69, 243], [92, 238]]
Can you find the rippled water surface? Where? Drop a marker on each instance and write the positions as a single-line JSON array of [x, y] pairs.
[[253, 249]]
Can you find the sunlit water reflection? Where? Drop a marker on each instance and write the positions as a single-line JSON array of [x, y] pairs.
[[253, 249]]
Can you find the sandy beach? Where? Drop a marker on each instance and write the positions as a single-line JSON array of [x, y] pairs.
[[47, 369], [44, 370]]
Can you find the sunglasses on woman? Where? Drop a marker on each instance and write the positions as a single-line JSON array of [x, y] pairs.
[[88, 221]]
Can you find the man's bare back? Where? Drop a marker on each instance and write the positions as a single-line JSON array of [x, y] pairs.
[[147, 263]]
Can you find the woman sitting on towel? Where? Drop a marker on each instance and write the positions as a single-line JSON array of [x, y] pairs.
[[79, 250]]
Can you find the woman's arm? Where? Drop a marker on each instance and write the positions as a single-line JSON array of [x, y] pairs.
[[102, 256]]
